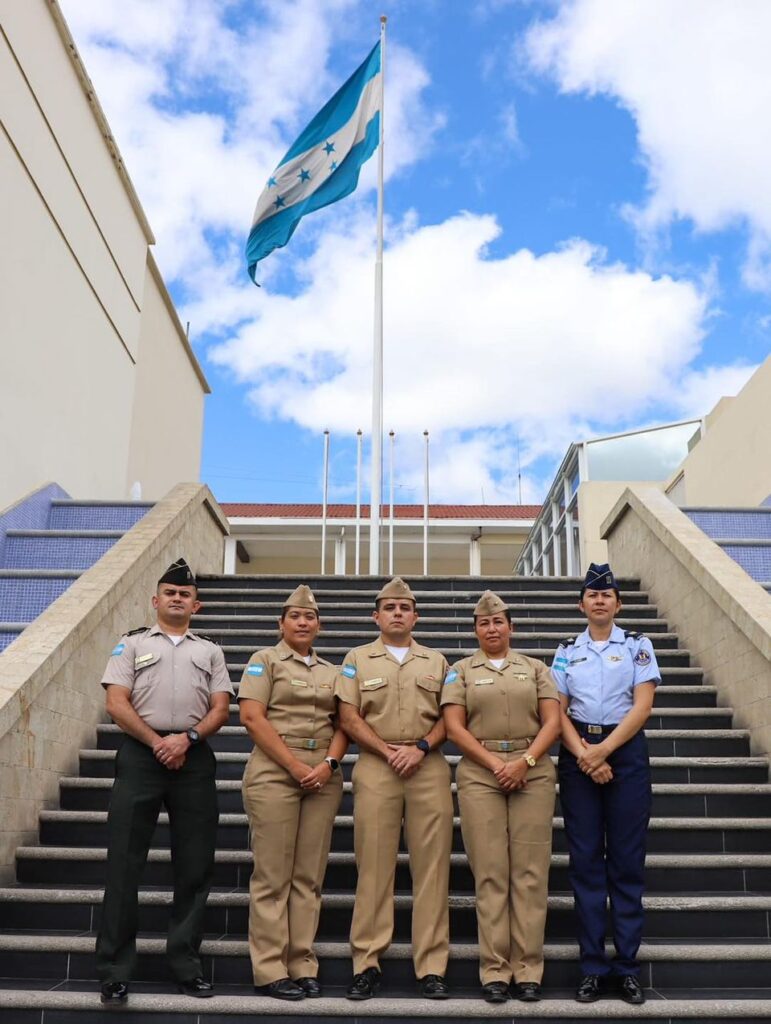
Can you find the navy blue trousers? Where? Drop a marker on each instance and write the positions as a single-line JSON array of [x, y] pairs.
[[606, 828]]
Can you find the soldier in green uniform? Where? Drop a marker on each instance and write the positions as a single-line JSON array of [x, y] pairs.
[[502, 710], [168, 690]]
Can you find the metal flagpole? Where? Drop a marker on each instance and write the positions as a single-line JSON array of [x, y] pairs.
[[391, 503], [324, 504], [377, 355], [425, 513], [358, 500]]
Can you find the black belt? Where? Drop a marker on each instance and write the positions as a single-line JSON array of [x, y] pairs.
[[595, 730]]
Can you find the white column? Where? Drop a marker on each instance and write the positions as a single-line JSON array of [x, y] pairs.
[[229, 564], [475, 556], [340, 554]]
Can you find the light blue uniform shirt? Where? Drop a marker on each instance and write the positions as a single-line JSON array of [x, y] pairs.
[[599, 676]]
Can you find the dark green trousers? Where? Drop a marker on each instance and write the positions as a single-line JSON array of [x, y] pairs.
[[142, 786]]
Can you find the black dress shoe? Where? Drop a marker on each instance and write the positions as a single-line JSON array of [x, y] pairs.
[[310, 987], [113, 993], [365, 985], [495, 992], [284, 988], [433, 986], [632, 990], [589, 989], [196, 987], [527, 991]]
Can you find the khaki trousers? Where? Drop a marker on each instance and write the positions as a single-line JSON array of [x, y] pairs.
[[508, 842], [291, 831], [424, 802]]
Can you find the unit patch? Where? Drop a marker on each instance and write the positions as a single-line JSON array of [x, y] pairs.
[[642, 658], [255, 670]]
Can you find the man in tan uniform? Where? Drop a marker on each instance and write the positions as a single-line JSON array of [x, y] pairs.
[[168, 690], [291, 788], [388, 694]]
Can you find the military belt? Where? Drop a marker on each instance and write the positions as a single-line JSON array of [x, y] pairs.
[[306, 742], [505, 746], [594, 730]]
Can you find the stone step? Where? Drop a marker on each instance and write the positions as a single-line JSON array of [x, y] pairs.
[[28, 957], [666, 916], [99, 764], [71, 865], [665, 834], [559, 608], [234, 1005], [369, 586], [69, 514], [56, 549], [524, 641], [689, 799], [562, 625]]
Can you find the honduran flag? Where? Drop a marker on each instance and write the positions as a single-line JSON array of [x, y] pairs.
[[323, 164]]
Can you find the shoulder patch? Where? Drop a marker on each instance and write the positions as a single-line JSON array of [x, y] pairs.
[[118, 649], [255, 670], [349, 671], [451, 676], [139, 629], [642, 657]]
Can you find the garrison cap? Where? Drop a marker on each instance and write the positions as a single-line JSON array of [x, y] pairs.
[[599, 577], [489, 603], [302, 598], [179, 574], [396, 588]]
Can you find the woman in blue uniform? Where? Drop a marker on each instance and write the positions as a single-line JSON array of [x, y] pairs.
[[607, 679]]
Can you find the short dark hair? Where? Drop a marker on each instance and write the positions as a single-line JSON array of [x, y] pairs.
[[379, 599], [506, 612], [286, 608], [177, 586], [615, 590]]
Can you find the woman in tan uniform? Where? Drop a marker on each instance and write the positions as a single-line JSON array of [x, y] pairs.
[[292, 787], [502, 710]]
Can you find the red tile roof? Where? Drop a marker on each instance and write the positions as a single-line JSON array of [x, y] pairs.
[[281, 511]]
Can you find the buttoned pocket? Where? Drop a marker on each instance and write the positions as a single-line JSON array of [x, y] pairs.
[[429, 683], [367, 685], [143, 661], [202, 660]]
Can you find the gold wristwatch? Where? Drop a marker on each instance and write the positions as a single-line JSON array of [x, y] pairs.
[[530, 760]]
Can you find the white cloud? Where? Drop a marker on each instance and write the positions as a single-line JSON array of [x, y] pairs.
[[694, 75], [700, 390], [477, 349]]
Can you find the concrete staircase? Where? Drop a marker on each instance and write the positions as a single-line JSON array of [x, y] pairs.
[[707, 949], [38, 564], [743, 533]]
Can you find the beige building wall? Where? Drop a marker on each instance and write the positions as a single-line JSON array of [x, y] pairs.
[[596, 498], [731, 464], [81, 333]]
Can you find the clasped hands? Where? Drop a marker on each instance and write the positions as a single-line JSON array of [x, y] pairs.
[[593, 762], [311, 778], [405, 760], [171, 750]]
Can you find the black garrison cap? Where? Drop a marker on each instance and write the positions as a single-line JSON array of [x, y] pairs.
[[179, 574]]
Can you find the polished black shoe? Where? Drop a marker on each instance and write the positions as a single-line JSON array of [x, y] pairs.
[[527, 991], [433, 986], [196, 987], [310, 987], [631, 990], [495, 992], [113, 993], [589, 989], [284, 988], [365, 985]]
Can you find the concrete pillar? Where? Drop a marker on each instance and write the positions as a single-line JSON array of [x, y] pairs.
[[229, 567], [340, 554], [475, 556]]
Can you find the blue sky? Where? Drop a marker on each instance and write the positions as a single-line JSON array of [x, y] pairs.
[[578, 229]]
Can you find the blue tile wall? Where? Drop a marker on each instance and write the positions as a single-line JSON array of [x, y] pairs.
[[22, 600], [96, 517], [747, 525], [754, 560], [30, 514], [7, 638], [55, 552]]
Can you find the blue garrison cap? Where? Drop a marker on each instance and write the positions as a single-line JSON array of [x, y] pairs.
[[599, 577]]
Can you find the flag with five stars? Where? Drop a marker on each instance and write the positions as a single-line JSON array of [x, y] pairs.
[[323, 164]]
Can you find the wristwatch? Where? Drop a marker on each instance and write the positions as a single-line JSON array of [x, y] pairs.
[[333, 763], [423, 745], [530, 760], [193, 736]]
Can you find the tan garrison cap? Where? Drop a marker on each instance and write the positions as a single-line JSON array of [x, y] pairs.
[[489, 603], [396, 588], [302, 598]]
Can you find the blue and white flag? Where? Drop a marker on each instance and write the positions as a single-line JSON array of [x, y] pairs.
[[323, 164]]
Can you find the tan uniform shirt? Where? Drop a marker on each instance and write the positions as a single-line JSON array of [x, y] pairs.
[[170, 685], [400, 702], [501, 704], [300, 698]]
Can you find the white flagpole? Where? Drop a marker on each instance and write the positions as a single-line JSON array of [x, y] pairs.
[[377, 355], [391, 503], [324, 505], [358, 500], [425, 511]]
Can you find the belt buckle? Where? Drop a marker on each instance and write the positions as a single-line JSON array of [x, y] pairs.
[[506, 746], [311, 744], [594, 730]]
